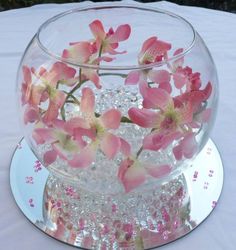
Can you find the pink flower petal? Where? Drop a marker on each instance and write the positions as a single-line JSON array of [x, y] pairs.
[[159, 76], [37, 95], [187, 147], [179, 62], [43, 135], [177, 151], [59, 98], [207, 91], [31, 114], [157, 98], [86, 156], [92, 75], [204, 116], [133, 78], [59, 71], [165, 138], [51, 114], [79, 134], [59, 124], [125, 164], [148, 143], [59, 151], [166, 86], [158, 171], [153, 50], [133, 177], [148, 43], [160, 140], [111, 119], [122, 33], [105, 58], [80, 52], [162, 47], [111, 51], [76, 122], [180, 80], [49, 157], [144, 117], [186, 113], [97, 29], [27, 74], [87, 101], [110, 145], [125, 147]]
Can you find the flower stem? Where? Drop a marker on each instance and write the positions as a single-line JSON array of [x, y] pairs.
[[100, 51], [139, 152]]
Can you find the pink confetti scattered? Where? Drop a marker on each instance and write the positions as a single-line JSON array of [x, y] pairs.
[[37, 166], [209, 151], [214, 203], [29, 180], [31, 202], [206, 184], [211, 173], [195, 175]]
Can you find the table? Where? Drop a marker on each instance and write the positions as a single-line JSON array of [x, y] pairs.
[[217, 28]]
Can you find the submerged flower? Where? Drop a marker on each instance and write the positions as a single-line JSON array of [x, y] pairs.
[[62, 143], [107, 42], [153, 50], [133, 173], [30, 93], [167, 123], [184, 76], [45, 89], [96, 129], [91, 52]]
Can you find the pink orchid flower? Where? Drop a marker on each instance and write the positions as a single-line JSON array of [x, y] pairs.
[[153, 50], [108, 42], [97, 130], [62, 143], [167, 124], [45, 88], [29, 93], [184, 76], [132, 173], [86, 53]]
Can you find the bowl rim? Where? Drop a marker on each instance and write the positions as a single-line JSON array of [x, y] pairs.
[[110, 67]]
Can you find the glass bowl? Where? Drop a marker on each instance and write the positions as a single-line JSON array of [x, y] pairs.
[[116, 98]]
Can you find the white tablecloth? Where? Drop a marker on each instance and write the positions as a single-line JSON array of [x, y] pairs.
[[218, 29]]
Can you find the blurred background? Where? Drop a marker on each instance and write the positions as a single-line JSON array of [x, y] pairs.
[[225, 5]]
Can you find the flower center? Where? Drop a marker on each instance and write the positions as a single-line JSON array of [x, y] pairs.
[[171, 120]]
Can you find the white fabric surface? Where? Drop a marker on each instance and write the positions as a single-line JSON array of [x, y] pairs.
[[218, 29]]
